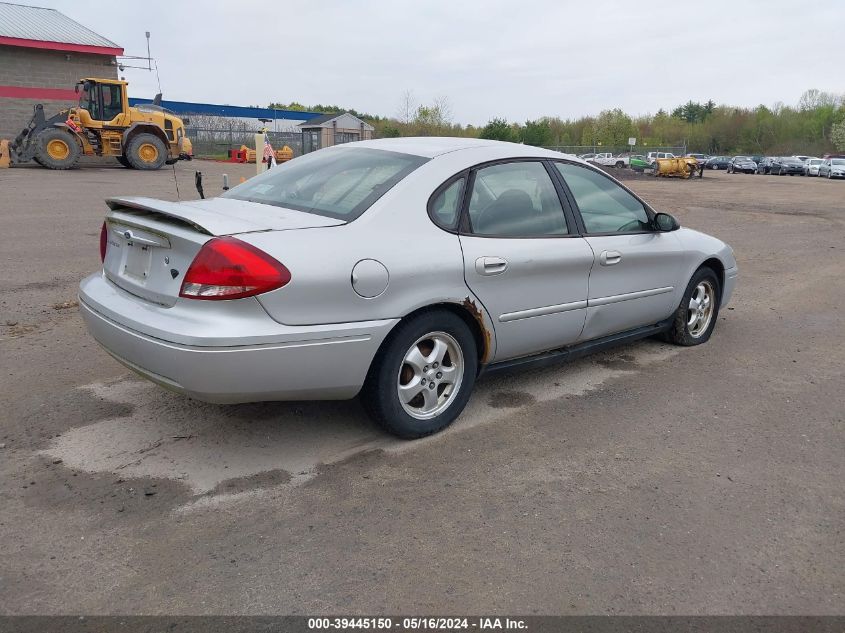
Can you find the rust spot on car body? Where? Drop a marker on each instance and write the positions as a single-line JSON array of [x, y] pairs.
[[478, 315]]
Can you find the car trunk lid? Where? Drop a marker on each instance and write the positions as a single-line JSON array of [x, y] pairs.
[[151, 243]]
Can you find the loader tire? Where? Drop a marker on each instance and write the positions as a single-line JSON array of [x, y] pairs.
[[57, 149], [146, 151], [122, 160]]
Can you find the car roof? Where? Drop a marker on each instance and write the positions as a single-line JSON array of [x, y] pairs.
[[432, 146]]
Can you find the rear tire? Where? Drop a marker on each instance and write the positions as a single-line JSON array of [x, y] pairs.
[[57, 149], [410, 362], [696, 316], [146, 151]]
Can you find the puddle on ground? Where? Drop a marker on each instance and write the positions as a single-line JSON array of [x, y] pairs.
[[234, 450]]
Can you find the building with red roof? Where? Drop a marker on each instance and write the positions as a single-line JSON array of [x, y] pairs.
[[43, 53]]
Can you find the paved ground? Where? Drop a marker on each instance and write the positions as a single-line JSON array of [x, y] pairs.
[[646, 480]]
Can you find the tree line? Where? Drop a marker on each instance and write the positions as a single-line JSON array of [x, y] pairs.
[[813, 126]]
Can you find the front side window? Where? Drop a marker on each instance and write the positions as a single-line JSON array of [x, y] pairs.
[[605, 206], [88, 100], [338, 184], [515, 200]]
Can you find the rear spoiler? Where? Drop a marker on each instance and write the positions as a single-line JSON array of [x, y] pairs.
[[221, 216], [168, 211]]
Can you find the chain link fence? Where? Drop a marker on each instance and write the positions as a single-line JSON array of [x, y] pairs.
[[216, 142]]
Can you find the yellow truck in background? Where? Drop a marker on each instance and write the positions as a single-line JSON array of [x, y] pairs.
[[102, 124]]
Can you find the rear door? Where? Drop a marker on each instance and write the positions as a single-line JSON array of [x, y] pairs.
[[523, 259], [637, 275]]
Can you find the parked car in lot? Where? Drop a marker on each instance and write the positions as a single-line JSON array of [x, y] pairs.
[[787, 165], [397, 269], [742, 164], [638, 162], [653, 156], [832, 168], [609, 160], [701, 158], [811, 166], [590, 156], [765, 164], [718, 162]]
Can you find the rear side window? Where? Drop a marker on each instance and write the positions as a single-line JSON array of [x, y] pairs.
[[338, 184], [605, 206], [515, 200], [444, 207]]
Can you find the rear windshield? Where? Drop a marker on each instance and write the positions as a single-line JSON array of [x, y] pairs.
[[339, 184]]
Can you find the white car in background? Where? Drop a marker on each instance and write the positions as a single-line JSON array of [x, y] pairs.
[[832, 168], [609, 160], [811, 166], [653, 156]]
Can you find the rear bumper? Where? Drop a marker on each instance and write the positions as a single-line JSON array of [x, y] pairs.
[[212, 358]]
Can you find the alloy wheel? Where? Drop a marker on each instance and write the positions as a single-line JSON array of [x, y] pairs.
[[430, 375], [701, 306]]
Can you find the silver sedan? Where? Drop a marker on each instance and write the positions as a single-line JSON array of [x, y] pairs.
[[397, 269]]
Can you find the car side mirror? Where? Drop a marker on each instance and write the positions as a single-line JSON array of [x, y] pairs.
[[664, 222]]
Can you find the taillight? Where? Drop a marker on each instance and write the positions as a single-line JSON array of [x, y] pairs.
[[104, 240], [227, 268]]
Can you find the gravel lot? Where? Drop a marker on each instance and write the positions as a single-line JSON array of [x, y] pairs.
[[650, 479]]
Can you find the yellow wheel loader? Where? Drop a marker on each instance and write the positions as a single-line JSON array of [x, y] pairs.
[[103, 124]]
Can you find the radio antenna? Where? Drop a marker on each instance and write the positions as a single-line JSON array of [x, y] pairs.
[[176, 182]]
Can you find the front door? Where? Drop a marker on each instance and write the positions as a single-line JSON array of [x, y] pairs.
[[523, 261], [636, 280]]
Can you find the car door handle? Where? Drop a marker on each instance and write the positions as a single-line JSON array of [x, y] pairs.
[[609, 258], [490, 265]]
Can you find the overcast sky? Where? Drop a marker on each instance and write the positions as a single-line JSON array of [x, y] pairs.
[[519, 59]]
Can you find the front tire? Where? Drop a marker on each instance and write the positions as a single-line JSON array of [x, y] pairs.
[[122, 160], [422, 377], [696, 316], [57, 149]]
